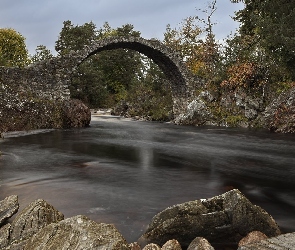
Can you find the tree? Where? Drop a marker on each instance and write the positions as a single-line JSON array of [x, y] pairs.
[[195, 41], [104, 78], [86, 82], [151, 97], [42, 53], [120, 67], [246, 64], [187, 42], [13, 51], [270, 23], [75, 37]]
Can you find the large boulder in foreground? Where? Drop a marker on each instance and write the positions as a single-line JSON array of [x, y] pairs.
[[8, 207], [223, 219], [35, 216], [280, 114], [77, 232]]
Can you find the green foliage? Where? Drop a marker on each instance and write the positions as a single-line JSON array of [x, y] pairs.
[[186, 41], [227, 116], [75, 37], [270, 23], [261, 56], [104, 79], [195, 42], [151, 98], [42, 53], [13, 51]]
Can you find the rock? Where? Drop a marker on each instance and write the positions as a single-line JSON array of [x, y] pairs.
[[34, 217], [223, 219], [197, 113], [279, 116], [8, 207], [281, 242], [200, 243], [4, 235], [252, 237], [171, 245], [152, 246], [75, 114], [77, 232], [134, 246], [250, 113], [207, 96]]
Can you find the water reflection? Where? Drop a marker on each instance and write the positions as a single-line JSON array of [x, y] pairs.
[[125, 172], [146, 156]]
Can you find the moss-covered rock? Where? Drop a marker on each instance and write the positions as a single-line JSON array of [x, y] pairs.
[[25, 111]]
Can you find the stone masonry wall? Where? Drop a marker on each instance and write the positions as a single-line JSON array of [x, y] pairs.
[[49, 79]]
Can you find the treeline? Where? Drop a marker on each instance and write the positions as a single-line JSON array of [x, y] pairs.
[[257, 62]]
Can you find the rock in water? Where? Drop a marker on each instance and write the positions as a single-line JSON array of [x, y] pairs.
[[77, 232], [281, 242], [200, 243], [252, 237], [34, 217], [151, 246], [8, 207], [222, 219], [171, 245], [75, 114]]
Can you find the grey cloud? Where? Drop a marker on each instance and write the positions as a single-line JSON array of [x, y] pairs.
[[41, 21]]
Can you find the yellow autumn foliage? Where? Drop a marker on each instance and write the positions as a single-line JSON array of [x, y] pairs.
[[13, 51]]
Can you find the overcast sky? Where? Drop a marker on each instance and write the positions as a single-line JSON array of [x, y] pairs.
[[41, 21]]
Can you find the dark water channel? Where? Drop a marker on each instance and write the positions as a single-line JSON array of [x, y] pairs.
[[124, 172]]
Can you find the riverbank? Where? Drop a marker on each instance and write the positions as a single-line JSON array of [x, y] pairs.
[[43, 226]]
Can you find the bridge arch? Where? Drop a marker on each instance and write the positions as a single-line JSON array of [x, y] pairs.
[[167, 60], [51, 78]]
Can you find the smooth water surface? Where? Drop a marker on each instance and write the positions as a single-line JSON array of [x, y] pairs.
[[124, 172]]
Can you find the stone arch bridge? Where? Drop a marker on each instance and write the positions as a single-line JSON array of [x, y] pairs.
[[51, 78]]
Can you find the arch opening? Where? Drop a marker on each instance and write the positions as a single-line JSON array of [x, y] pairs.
[[167, 60], [145, 92]]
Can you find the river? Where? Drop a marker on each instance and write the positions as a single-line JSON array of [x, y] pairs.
[[124, 172]]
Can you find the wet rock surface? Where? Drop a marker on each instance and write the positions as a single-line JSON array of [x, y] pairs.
[[8, 207], [4, 235], [171, 245], [200, 243], [222, 219], [77, 232], [252, 237], [35, 216], [281, 242], [200, 224], [152, 246]]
